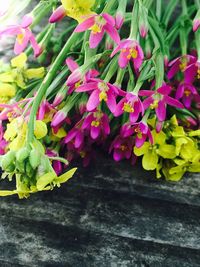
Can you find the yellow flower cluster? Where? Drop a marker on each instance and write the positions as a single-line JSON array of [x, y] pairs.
[[15, 77], [173, 152], [78, 9]]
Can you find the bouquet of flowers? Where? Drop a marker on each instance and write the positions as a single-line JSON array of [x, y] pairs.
[[119, 75]]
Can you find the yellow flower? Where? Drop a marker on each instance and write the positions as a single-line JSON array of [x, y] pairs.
[[151, 152], [35, 73], [19, 61], [7, 90], [78, 9], [40, 130], [17, 130]]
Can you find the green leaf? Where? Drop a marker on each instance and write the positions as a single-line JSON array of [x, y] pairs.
[[66, 176], [45, 179]]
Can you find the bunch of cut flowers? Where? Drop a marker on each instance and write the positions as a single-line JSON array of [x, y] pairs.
[[119, 75]]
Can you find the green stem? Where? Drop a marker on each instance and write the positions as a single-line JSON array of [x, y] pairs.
[[158, 9], [134, 21], [197, 39], [146, 115], [184, 8], [159, 65], [197, 3], [183, 40], [112, 70], [120, 77], [46, 82], [109, 6]]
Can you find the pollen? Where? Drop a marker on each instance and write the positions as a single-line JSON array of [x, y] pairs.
[[183, 66], [96, 29], [128, 108], [154, 104], [198, 74], [187, 92], [103, 96], [133, 53], [77, 84], [20, 38], [95, 124], [82, 154], [123, 148]]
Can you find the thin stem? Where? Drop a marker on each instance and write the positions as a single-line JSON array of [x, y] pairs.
[[158, 9], [120, 77], [159, 65], [184, 7], [197, 39], [46, 82], [197, 2], [109, 6], [134, 21]]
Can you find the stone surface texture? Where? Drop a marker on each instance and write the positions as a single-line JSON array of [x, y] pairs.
[[108, 215]]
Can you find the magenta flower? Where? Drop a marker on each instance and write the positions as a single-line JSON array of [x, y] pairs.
[[122, 148], [100, 91], [196, 24], [180, 64], [24, 36], [98, 124], [77, 78], [192, 72], [57, 165], [130, 104], [129, 50], [119, 20], [142, 131], [99, 24], [186, 92], [44, 109], [57, 15], [159, 99], [76, 135]]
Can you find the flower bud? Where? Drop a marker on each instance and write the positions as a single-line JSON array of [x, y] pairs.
[[196, 21], [34, 158], [143, 21], [22, 154], [57, 15], [8, 160]]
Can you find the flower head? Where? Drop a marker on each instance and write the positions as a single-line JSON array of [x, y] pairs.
[[97, 123], [158, 100], [24, 36], [76, 9], [130, 104], [130, 50], [186, 92], [101, 91], [99, 24], [122, 148]]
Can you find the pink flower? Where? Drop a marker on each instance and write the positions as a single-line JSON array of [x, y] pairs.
[[186, 92], [192, 72], [77, 78], [44, 109], [119, 20], [180, 64], [24, 36], [159, 99], [196, 24], [97, 123], [57, 15], [99, 24], [130, 104], [100, 91], [76, 135], [142, 131], [122, 148], [129, 50]]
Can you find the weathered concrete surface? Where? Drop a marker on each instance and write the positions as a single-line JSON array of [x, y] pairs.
[[108, 215]]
